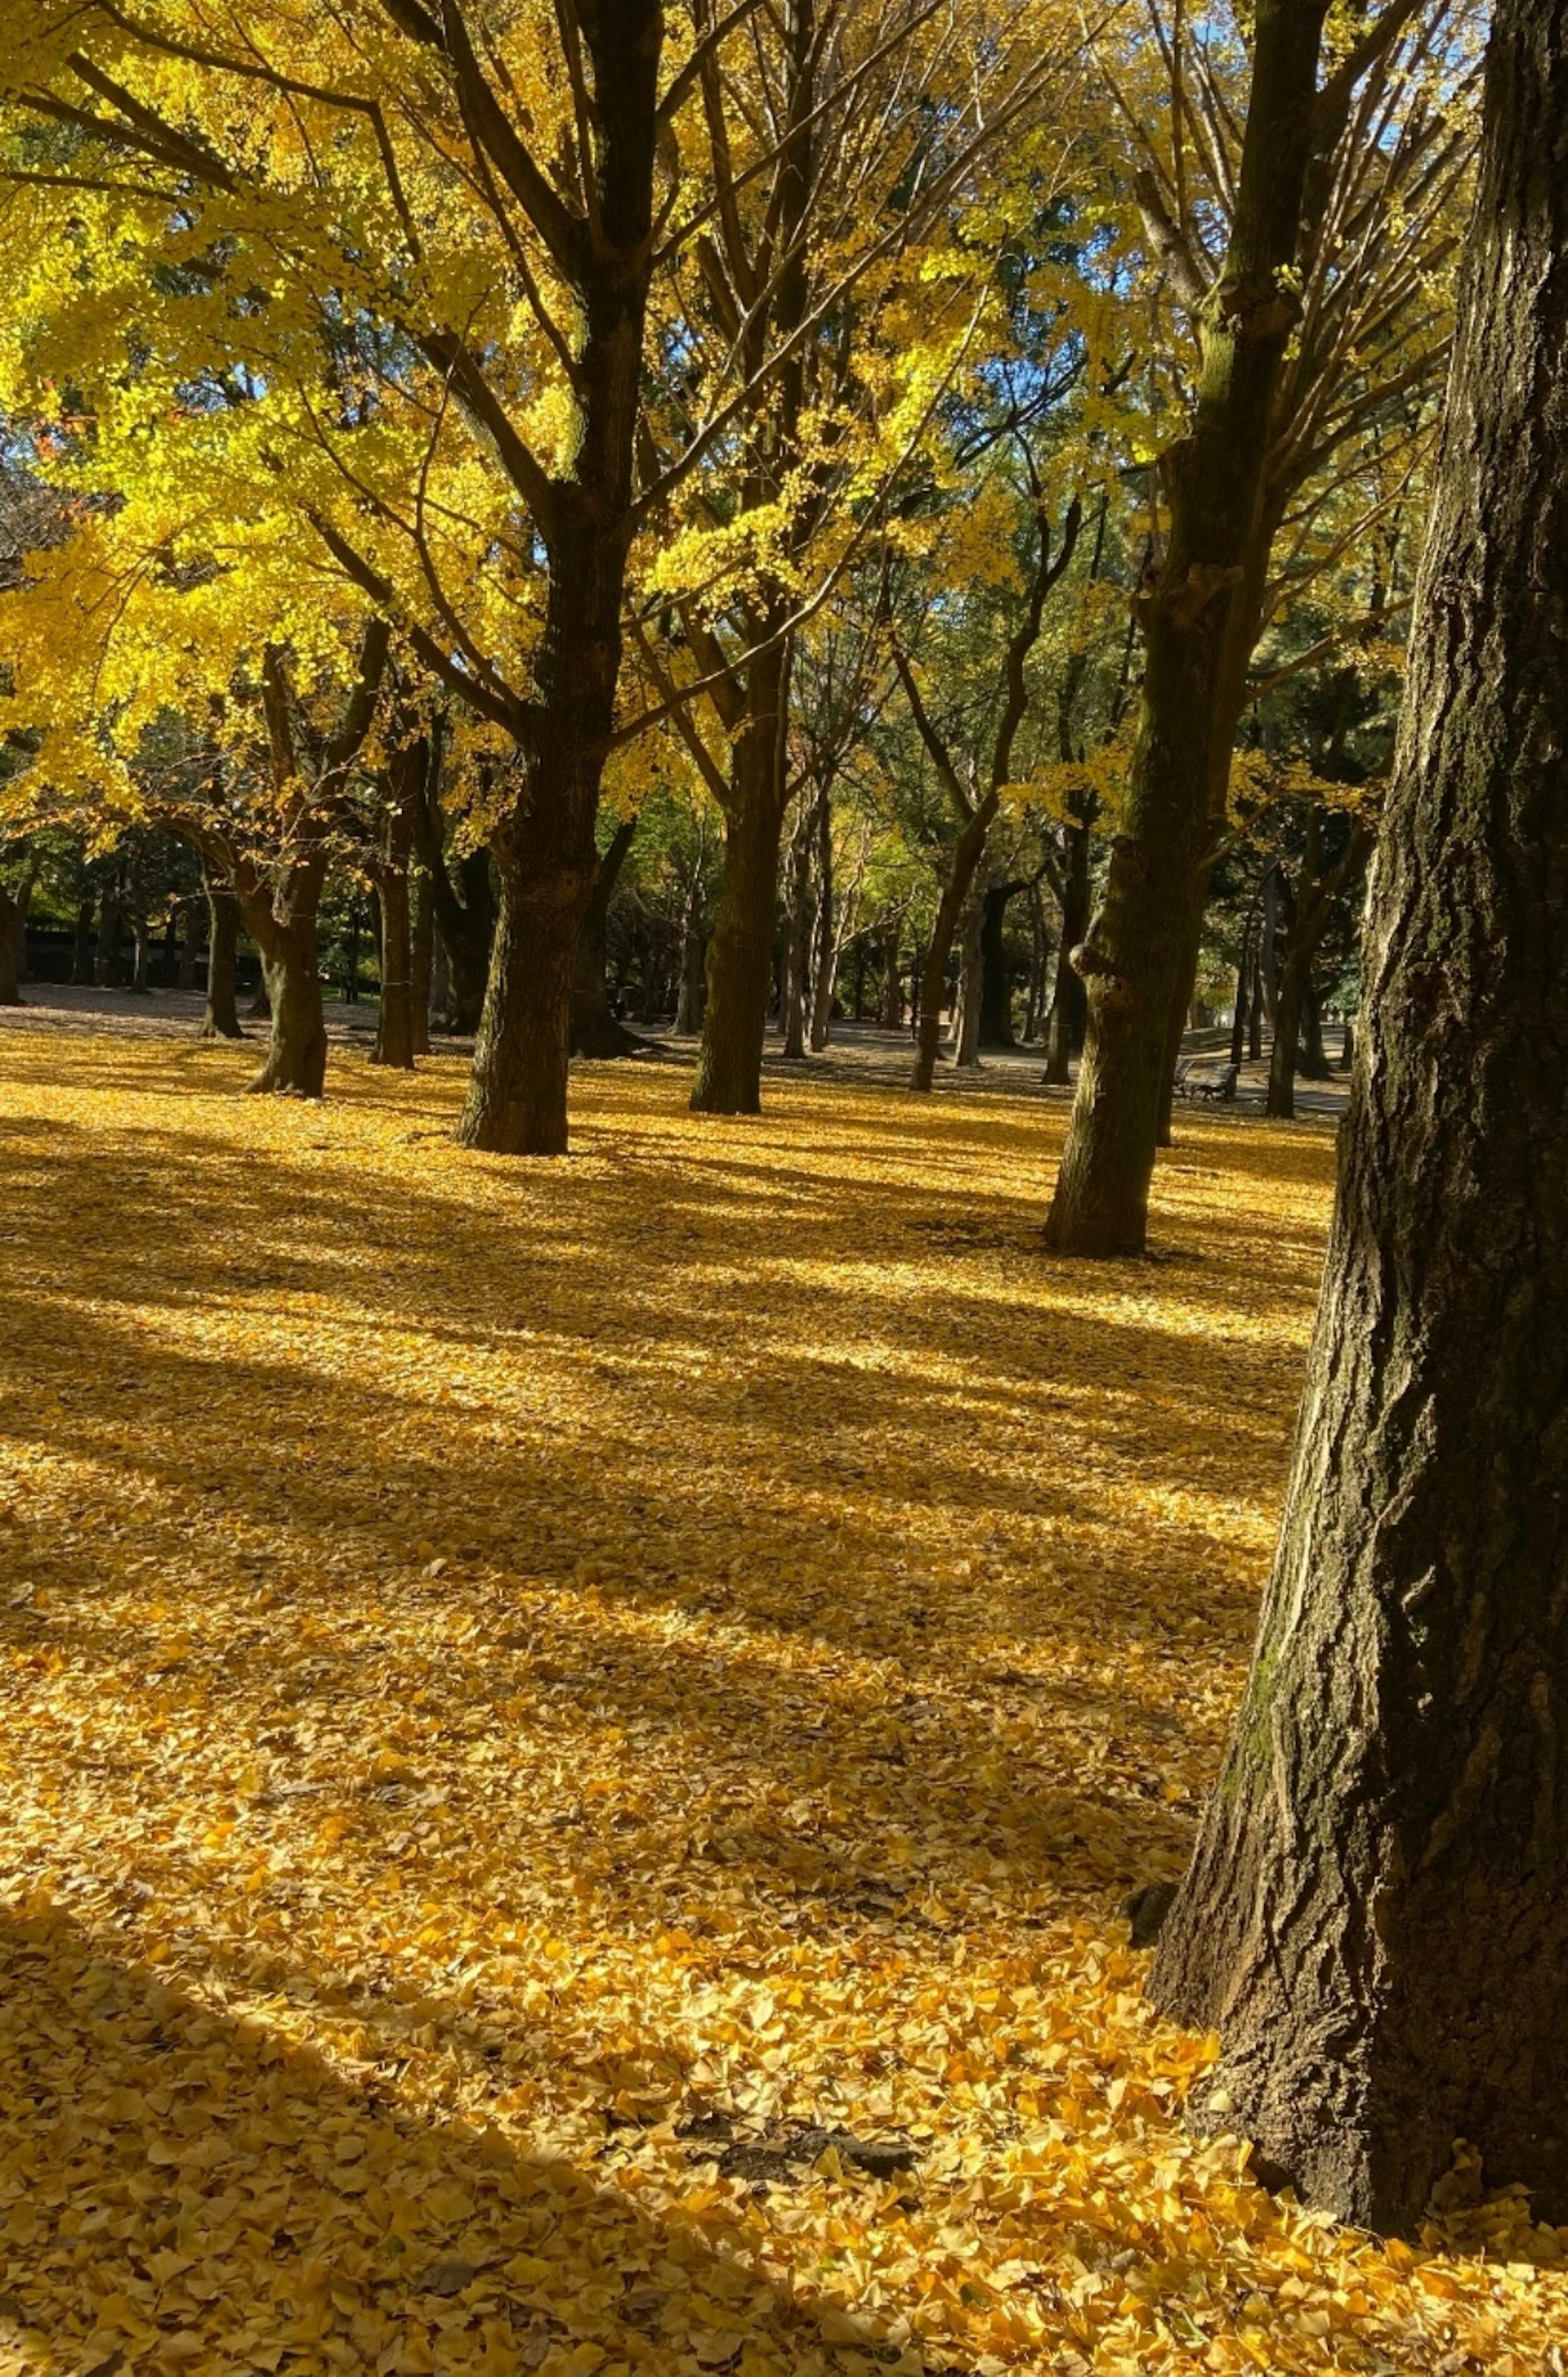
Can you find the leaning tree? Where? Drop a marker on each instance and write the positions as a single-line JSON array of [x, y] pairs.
[[1375, 1918]]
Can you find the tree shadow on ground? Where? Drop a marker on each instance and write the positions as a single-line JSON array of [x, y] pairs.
[[185, 2185]]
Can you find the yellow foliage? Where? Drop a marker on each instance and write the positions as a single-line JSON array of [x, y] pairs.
[[544, 1709]]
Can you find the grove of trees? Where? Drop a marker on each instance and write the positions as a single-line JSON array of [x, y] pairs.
[[720, 515]]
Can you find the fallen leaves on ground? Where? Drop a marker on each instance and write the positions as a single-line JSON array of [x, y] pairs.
[[573, 1735]]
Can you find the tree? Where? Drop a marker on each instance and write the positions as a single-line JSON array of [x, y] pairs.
[[1316, 324], [1375, 1917], [976, 795]]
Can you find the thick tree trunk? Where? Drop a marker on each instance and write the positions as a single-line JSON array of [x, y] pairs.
[[995, 1012], [222, 1019], [286, 937], [544, 850], [13, 922], [595, 1032], [739, 954], [1375, 1917], [517, 1101], [1133, 957]]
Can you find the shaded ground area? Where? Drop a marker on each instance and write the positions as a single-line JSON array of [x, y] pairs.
[[573, 1735]]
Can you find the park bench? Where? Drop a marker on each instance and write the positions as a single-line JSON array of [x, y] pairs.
[[1216, 1082]]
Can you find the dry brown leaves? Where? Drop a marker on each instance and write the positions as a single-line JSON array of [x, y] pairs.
[[545, 1705]]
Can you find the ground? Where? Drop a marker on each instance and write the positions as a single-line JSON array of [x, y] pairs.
[[548, 1711]]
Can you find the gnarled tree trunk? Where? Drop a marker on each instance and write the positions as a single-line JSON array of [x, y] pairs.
[[1375, 1917], [286, 932]]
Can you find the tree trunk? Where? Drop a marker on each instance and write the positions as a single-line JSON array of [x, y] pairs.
[[1181, 1015], [421, 954], [285, 930], [403, 785], [739, 954], [141, 959], [544, 849], [1313, 1056], [1243, 984], [1290, 999], [1254, 1017], [222, 1019], [1375, 1918], [1069, 1001], [1133, 957], [967, 856], [689, 994], [13, 921], [107, 970], [1268, 953], [464, 918], [517, 1101], [798, 942], [828, 946], [969, 1004], [395, 1015], [892, 1012], [595, 1032], [82, 946], [995, 1012]]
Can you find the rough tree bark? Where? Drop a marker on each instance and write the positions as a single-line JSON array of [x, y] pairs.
[[1133, 956], [1375, 1917], [544, 848], [740, 951]]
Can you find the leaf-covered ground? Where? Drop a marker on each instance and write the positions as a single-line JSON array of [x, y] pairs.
[[572, 1735]]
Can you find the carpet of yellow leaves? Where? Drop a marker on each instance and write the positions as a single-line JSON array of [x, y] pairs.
[[545, 1707]]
